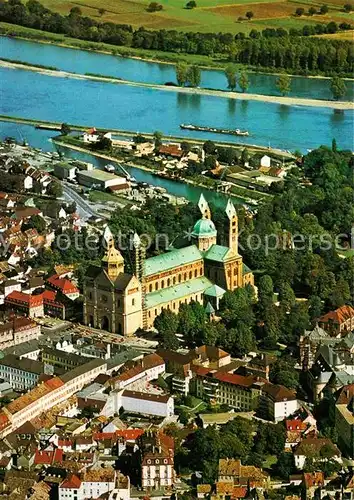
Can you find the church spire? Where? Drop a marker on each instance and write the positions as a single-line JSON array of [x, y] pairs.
[[233, 226], [204, 207], [113, 261]]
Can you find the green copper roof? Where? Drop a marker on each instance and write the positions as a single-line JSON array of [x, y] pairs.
[[217, 252], [204, 228], [177, 292], [209, 309], [245, 269], [215, 291], [170, 260]]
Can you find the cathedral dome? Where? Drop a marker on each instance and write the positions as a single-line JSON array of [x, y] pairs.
[[204, 228]]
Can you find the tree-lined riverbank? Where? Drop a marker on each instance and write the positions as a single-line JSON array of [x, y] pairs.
[[196, 91]]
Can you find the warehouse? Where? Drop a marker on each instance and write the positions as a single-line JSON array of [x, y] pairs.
[[101, 180]]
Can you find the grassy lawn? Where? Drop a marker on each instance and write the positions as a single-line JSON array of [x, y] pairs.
[[99, 196], [208, 16]]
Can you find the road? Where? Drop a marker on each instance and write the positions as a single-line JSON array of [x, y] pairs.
[[83, 207]]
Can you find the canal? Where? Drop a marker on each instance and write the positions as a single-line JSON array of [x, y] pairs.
[[42, 139], [79, 61]]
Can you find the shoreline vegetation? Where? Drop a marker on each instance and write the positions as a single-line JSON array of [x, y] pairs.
[[289, 101], [217, 58], [156, 56]]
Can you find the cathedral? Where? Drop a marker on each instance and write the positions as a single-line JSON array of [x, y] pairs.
[[201, 271]]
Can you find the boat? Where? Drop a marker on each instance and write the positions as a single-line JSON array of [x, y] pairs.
[[215, 130], [109, 168]]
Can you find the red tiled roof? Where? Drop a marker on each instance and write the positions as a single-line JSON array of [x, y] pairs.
[[65, 285], [313, 479], [91, 131], [24, 298], [278, 392], [72, 482], [43, 457], [171, 150], [130, 434], [54, 383], [295, 425], [234, 379], [4, 420], [338, 316]]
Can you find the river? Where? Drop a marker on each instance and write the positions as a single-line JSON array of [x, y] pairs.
[[29, 94], [80, 61]]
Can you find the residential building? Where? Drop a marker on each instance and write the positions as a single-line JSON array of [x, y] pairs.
[[337, 323], [232, 471], [310, 341], [18, 331], [61, 359], [203, 270], [50, 393], [160, 405], [157, 460], [92, 484], [31, 305], [237, 391], [312, 483], [142, 370], [21, 374], [344, 420], [277, 402], [63, 285], [318, 449]]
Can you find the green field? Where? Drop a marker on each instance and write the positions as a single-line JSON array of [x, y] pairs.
[[208, 16]]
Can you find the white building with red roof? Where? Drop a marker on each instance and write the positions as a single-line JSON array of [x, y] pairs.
[[95, 483], [64, 285]]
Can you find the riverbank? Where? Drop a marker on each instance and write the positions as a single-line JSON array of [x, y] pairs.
[[287, 101], [56, 126], [153, 56], [110, 158]]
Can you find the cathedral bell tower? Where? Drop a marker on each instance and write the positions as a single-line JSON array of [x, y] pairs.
[[233, 226], [113, 262], [204, 232]]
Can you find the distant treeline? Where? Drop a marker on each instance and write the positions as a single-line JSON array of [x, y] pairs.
[[278, 48]]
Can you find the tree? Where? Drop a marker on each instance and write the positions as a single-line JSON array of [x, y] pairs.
[[285, 465], [158, 139], [283, 84], [104, 143], [249, 15], [286, 296], [324, 9], [55, 189], [348, 7], [181, 74], [284, 373], [35, 222], [312, 11], [185, 146], [334, 145], [244, 82], [338, 87], [230, 73], [209, 147], [210, 162], [194, 76], [166, 323], [154, 7], [101, 12], [75, 11], [245, 156], [191, 5], [300, 11], [315, 307], [65, 129]]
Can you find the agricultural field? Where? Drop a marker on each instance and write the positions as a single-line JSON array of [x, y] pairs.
[[209, 15]]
